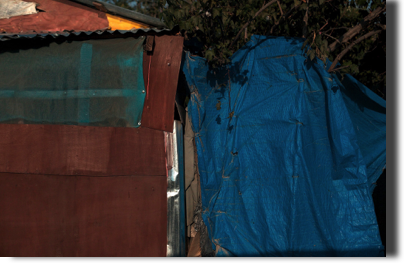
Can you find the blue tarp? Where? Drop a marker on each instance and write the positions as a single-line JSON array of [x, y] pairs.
[[288, 154]]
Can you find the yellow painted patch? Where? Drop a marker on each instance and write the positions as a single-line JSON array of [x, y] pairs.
[[118, 23]]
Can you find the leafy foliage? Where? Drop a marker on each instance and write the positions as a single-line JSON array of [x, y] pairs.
[[211, 26]]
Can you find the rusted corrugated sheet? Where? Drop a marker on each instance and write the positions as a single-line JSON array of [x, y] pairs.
[[81, 150], [49, 215], [161, 74], [57, 15]]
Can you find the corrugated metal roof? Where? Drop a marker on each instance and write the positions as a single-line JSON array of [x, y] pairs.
[[110, 8], [54, 16], [7, 36], [74, 15]]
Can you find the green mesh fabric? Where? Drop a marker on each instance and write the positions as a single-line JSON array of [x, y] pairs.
[[92, 82]]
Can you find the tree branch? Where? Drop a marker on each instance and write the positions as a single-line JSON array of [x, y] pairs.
[[355, 30], [341, 68], [305, 21], [330, 36], [248, 23], [281, 11], [335, 28], [284, 17], [345, 51], [324, 25], [382, 26]]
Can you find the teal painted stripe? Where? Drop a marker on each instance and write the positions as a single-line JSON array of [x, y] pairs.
[[84, 82]]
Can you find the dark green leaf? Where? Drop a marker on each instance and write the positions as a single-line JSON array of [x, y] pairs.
[[209, 55], [215, 12], [312, 55]]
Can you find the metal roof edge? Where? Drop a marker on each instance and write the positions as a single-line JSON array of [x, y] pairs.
[[125, 12], [30, 35]]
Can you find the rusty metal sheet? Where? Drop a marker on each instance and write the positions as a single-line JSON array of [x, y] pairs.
[[81, 150], [57, 15], [161, 74], [49, 215]]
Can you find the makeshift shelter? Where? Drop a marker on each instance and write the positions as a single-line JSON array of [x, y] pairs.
[[91, 160], [288, 154]]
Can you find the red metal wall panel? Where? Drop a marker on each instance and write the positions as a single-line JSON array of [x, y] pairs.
[[58, 15], [162, 77], [49, 215], [81, 150], [91, 191]]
